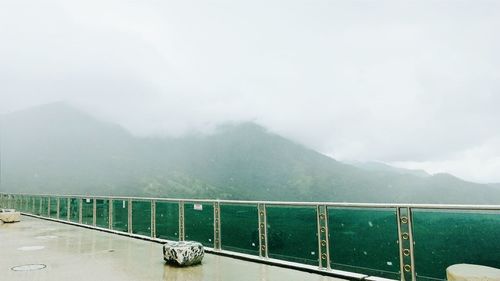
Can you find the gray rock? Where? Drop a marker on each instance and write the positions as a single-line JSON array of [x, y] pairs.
[[183, 253]]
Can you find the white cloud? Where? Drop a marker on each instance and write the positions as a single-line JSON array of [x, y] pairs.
[[400, 82], [478, 164]]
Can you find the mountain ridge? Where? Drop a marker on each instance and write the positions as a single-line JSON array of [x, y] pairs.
[[59, 149]]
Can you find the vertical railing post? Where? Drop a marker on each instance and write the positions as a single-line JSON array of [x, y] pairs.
[[153, 218], [129, 216], [94, 211], [40, 208], [412, 244], [181, 221], [217, 235], [263, 251], [68, 212], [323, 239], [405, 240], [58, 205], [80, 210], [48, 207], [110, 214]]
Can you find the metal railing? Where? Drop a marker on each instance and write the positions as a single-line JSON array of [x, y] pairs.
[[286, 231]]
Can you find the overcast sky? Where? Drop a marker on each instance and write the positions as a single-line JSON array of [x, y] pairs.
[[410, 83]]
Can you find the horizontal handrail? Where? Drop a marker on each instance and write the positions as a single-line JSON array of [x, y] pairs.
[[285, 203]]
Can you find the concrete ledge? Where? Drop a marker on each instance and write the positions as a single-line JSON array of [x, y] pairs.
[[472, 272]]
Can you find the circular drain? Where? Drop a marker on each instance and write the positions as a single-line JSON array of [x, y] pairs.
[[28, 267], [31, 248]]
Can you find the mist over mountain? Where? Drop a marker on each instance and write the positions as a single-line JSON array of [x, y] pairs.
[[56, 148], [384, 168]]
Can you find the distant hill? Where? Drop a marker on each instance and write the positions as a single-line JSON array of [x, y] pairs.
[[58, 149], [384, 168], [496, 185]]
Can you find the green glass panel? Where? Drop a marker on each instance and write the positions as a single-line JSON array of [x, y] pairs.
[[141, 217], [45, 207], [15, 202], [28, 204], [364, 241], [38, 206], [240, 228], [23, 204], [102, 213], [53, 207], [63, 208], [7, 201], [444, 238], [292, 234], [12, 202], [74, 209], [120, 215], [167, 220], [88, 211], [20, 204], [28, 207], [199, 222]]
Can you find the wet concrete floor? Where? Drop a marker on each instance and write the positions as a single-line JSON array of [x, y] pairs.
[[76, 253]]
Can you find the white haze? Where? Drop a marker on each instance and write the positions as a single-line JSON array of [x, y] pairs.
[[410, 83]]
